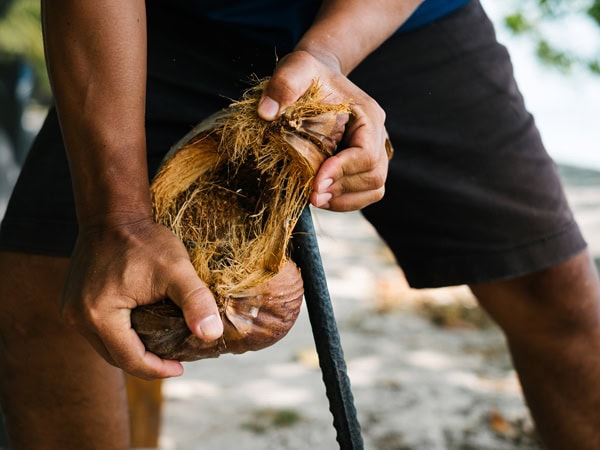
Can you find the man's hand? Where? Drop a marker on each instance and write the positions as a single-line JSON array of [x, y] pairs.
[[354, 177], [116, 269]]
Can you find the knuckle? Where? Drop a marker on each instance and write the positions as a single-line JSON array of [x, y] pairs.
[[178, 265], [282, 89], [379, 113], [379, 179], [199, 293], [373, 110], [128, 366], [128, 362], [383, 115], [372, 160], [93, 316], [372, 182], [379, 194], [69, 316]]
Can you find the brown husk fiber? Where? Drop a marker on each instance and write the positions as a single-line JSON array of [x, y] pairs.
[[232, 190]]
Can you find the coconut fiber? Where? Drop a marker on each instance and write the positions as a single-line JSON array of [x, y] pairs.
[[232, 190]]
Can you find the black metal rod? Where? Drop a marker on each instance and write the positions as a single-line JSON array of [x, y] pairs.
[[325, 332]]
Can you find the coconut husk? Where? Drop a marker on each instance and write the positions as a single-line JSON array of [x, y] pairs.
[[232, 190]]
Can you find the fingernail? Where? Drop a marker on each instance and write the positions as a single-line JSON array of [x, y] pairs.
[[323, 199], [268, 108], [324, 185], [211, 326]]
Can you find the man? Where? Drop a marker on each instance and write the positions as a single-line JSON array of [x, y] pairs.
[[476, 197]]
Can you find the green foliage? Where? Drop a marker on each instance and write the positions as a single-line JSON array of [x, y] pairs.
[[518, 23], [594, 11], [21, 34], [594, 67], [530, 19], [554, 57]]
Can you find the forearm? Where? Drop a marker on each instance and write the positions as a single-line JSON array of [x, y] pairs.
[[96, 56], [346, 31]]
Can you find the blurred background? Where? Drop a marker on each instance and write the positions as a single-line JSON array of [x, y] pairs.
[[401, 345], [24, 88], [555, 46]]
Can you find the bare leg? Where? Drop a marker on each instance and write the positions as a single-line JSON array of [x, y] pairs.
[[56, 392], [551, 320], [145, 411]]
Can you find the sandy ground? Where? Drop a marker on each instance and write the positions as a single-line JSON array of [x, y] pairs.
[[416, 384], [429, 371]]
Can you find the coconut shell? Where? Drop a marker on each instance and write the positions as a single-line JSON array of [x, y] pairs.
[[232, 190], [252, 320]]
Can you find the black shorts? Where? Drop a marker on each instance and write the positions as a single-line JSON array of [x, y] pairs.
[[471, 194]]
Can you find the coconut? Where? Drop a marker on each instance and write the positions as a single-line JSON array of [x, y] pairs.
[[232, 190]]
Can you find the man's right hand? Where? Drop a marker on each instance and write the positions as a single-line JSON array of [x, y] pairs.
[[117, 268]]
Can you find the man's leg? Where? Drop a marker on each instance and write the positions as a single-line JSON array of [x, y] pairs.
[[551, 320], [145, 411], [56, 392]]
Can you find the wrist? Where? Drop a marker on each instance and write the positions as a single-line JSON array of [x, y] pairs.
[[101, 203], [314, 50], [116, 217], [110, 183]]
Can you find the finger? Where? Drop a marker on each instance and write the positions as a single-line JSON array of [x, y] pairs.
[[148, 365], [196, 301], [70, 318], [98, 346], [126, 350], [351, 193], [348, 181], [127, 353], [135, 360], [353, 201], [286, 85], [352, 170]]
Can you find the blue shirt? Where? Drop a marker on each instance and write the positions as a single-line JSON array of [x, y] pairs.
[[431, 10], [282, 22]]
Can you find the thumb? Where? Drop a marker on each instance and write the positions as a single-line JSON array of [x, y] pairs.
[[291, 78], [197, 302]]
